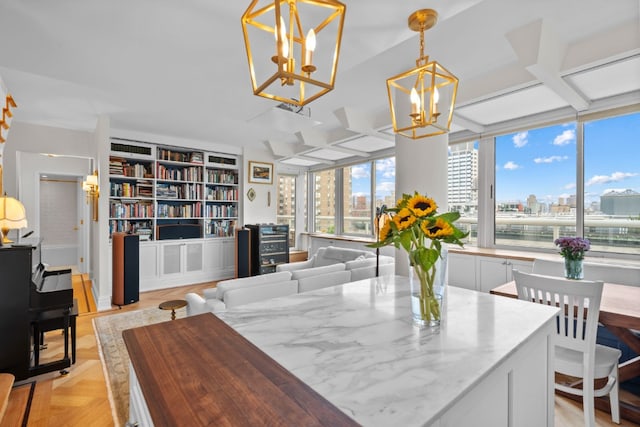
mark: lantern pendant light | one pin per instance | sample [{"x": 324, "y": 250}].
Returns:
[
  {"x": 305, "y": 36},
  {"x": 421, "y": 100}
]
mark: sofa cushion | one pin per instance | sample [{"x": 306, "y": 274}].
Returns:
[
  {"x": 241, "y": 296},
  {"x": 361, "y": 273},
  {"x": 324, "y": 281},
  {"x": 331, "y": 255},
  {"x": 317, "y": 271},
  {"x": 368, "y": 262},
  {"x": 246, "y": 282}
]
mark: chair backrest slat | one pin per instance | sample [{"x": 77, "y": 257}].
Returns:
[{"x": 579, "y": 301}]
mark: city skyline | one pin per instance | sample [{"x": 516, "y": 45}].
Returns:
[{"x": 542, "y": 161}]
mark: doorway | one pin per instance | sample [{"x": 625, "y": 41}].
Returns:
[{"x": 62, "y": 221}]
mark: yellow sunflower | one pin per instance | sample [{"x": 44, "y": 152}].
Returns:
[
  {"x": 439, "y": 230},
  {"x": 404, "y": 219},
  {"x": 385, "y": 231},
  {"x": 421, "y": 205}
]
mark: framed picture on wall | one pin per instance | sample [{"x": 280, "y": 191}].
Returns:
[{"x": 260, "y": 172}]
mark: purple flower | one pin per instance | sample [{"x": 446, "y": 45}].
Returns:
[{"x": 573, "y": 247}]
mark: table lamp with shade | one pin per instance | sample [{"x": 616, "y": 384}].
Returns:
[{"x": 12, "y": 216}]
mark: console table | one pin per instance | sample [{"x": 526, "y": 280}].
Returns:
[{"x": 354, "y": 347}]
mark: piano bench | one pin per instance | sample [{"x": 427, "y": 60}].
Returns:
[{"x": 53, "y": 320}]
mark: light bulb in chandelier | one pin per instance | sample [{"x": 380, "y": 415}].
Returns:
[
  {"x": 310, "y": 47},
  {"x": 416, "y": 109}
]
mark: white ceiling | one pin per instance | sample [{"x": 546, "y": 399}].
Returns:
[{"x": 179, "y": 69}]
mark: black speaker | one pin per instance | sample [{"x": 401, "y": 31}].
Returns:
[
  {"x": 126, "y": 268},
  {"x": 243, "y": 260}
]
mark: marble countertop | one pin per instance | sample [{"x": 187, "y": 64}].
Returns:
[{"x": 356, "y": 345}]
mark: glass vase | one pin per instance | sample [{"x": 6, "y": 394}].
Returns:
[
  {"x": 428, "y": 294},
  {"x": 573, "y": 269}
]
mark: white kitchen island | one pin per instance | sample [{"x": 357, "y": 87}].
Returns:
[{"x": 355, "y": 344}]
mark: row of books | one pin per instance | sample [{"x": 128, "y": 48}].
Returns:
[
  {"x": 143, "y": 228},
  {"x": 216, "y": 176},
  {"x": 221, "y": 228},
  {"x": 221, "y": 211},
  {"x": 192, "y": 210},
  {"x": 179, "y": 191},
  {"x": 179, "y": 156},
  {"x": 191, "y": 173},
  {"x": 130, "y": 210},
  {"x": 121, "y": 166},
  {"x": 125, "y": 189},
  {"x": 222, "y": 193}
]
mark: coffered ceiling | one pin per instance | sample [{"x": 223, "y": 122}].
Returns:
[{"x": 179, "y": 69}]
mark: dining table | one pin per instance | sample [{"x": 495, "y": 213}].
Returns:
[{"x": 620, "y": 314}]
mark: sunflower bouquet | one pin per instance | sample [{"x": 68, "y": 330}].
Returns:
[{"x": 416, "y": 226}]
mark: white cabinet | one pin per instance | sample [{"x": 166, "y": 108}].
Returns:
[
  {"x": 219, "y": 258},
  {"x": 149, "y": 256},
  {"x": 483, "y": 273},
  {"x": 513, "y": 394},
  {"x": 181, "y": 257},
  {"x": 462, "y": 271},
  {"x": 492, "y": 272}
]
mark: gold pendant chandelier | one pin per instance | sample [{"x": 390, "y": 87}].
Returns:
[
  {"x": 421, "y": 100},
  {"x": 293, "y": 47}
]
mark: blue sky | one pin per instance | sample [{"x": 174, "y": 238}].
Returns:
[{"x": 543, "y": 161}]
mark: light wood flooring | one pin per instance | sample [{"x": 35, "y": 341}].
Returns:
[{"x": 80, "y": 398}]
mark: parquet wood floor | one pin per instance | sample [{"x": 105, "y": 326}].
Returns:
[{"x": 80, "y": 398}]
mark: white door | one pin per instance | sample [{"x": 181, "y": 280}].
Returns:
[{"x": 61, "y": 230}]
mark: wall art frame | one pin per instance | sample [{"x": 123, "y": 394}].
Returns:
[{"x": 260, "y": 172}]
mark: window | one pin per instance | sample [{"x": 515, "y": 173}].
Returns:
[
  {"x": 343, "y": 197},
  {"x": 286, "y": 213},
  {"x": 535, "y": 186},
  {"x": 540, "y": 193},
  {"x": 356, "y": 188},
  {"x": 612, "y": 183},
  {"x": 462, "y": 195},
  {"x": 324, "y": 201},
  {"x": 385, "y": 182}
]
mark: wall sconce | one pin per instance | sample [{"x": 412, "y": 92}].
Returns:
[
  {"x": 92, "y": 188},
  {"x": 12, "y": 216},
  {"x": 6, "y": 117},
  {"x": 421, "y": 100},
  {"x": 305, "y": 37}
]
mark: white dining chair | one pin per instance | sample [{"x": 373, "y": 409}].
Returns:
[{"x": 576, "y": 351}]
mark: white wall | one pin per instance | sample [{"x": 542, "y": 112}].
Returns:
[
  {"x": 424, "y": 169},
  {"x": 263, "y": 208},
  {"x": 40, "y": 139},
  {"x": 30, "y": 165}
]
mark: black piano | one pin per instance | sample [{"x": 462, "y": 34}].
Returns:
[
  {"x": 27, "y": 298},
  {"x": 50, "y": 308}
]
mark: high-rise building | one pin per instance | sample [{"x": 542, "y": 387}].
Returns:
[
  {"x": 620, "y": 202},
  {"x": 463, "y": 177}
]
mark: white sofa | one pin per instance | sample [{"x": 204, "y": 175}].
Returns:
[
  {"x": 328, "y": 267},
  {"x": 361, "y": 263}
]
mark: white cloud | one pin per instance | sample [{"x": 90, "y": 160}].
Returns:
[
  {"x": 570, "y": 186},
  {"x": 386, "y": 187},
  {"x": 566, "y": 137},
  {"x": 387, "y": 167},
  {"x": 614, "y": 177},
  {"x": 520, "y": 139},
  {"x": 550, "y": 159},
  {"x": 359, "y": 172},
  {"x": 511, "y": 165}
]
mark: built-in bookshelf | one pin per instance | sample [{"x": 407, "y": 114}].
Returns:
[{"x": 162, "y": 192}]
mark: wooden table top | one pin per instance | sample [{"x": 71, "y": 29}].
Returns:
[
  {"x": 201, "y": 371},
  {"x": 620, "y": 304}
]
